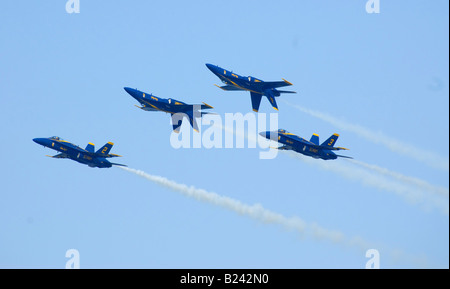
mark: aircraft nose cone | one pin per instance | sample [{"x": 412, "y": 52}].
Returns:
[
  {"x": 129, "y": 90},
  {"x": 211, "y": 67},
  {"x": 272, "y": 135},
  {"x": 265, "y": 134},
  {"x": 41, "y": 141}
]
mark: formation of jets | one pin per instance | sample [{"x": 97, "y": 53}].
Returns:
[{"x": 179, "y": 110}]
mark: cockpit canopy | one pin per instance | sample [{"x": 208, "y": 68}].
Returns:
[{"x": 55, "y": 138}]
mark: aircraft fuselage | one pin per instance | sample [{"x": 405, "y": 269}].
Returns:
[{"x": 74, "y": 152}]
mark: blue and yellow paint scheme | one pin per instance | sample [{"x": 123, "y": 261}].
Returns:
[
  {"x": 256, "y": 87},
  {"x": 87, "y": 156},
  {"x": 309, "y": 148},
  {"x": 150, "y": 102}
]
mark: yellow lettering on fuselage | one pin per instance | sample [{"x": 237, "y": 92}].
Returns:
[{"x": 154, "y": 98}]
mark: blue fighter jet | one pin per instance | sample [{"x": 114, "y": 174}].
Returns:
[
  {"x": 257, "y": 87},
  {"x": 86, "y": 156},
  {"x": 151, "y": 102},
  {"x": 309, "y": 148}
]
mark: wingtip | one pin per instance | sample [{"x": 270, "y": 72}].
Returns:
[
  {"x": 287, "y": 81},
  {"x": 207, "y": 105}
]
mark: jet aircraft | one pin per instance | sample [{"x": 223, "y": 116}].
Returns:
[
  {"x": 151, "y": 102},
  {"x": 309, "y": 148},
  {"x": 257, "y": 87},
  {"x": 86, "y": 156}
]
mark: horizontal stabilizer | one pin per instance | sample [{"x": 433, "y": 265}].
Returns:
[
  {"x": 340, "y": 148},
  {"x": 121, "y": 165},
  {"x": 206, "y": 112},
  {"x": 111, "y": 156},
  {"x": 286, "y": 91},
  {"x": 344, "y": 157}
]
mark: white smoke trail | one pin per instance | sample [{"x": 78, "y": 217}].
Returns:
[
  {"x": 411, "y": 193},
  {"x": 429, "y": 158},
  {"x": 256, "y": 211},
  {"x": 259, "y": 213},
  {"x": 419, "y": 183}
]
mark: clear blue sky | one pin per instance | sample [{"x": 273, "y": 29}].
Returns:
[{"x": 63, "y": 74}]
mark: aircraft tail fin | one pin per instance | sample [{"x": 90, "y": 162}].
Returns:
[
  {"x": 256, "y": 100},
  {"x": 104, "y": 150},
  {"x": 315, "y": 139},
  {"x": 330, "y": 141},
  {"x": 90, "y": 147},
  {"x": 193, "y": 122},
  {"x": 177, "y": 121},
  {"x": 273, "y": 102}
]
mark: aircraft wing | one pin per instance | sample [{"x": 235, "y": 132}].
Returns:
[
  {"x": 330, "y": 148},
  {"x": 206, "y": 106},
  {"x": 284, "y": 148},
  {"x": 275, "y": 84},
  {"x": 228, "y": 87},
  {"x": 59, "y": 156}
]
